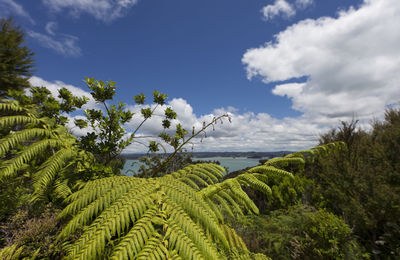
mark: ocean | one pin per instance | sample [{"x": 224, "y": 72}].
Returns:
[{"x": 232, "y": 163}]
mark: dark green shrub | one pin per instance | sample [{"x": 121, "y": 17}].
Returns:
[{"x": 300, "y": 232}]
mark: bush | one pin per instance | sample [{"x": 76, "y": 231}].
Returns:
[
  {"x": 362, "y": 184},
  {"x": 301, "y": 232}
]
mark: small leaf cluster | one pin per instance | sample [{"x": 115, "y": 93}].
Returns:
[{"x": 106, "y": 140}]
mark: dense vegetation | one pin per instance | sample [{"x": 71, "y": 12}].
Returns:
[{"x": 64, "y": 197}]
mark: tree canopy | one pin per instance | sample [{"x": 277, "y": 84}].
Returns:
[{"x": 16, "y": 60}]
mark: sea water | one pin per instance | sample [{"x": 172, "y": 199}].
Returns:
[{"x": 231, "y": 163}]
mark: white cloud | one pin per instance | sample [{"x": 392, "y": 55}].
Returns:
[
  {"x": 303, "y": 3},
  {"x": 51, "y": 27},
  {"x": 8, "y": 7},
  {"x": 105, "y": 10},
  {"x": 290, "y": 89},
  {"x": 280, "y": 7},
  {"x": 247, "y": 132},
  {"x": 65, "y": 44},
  {"x": 351, "y": 62}
]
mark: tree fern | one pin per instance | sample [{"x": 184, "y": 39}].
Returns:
[
  {"x": 162, "y": 214},
  {"x": 39, "y": 142}
]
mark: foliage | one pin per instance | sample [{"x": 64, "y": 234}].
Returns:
[
  {"x": 16, "y": 61},
  {"x": 43, "y": 104},
  {"x": 362, "y": 184},
  {"x": 109, "y": 137},
  {"x": 178, "y": 214},
  {"x": 148, "y": 218},
  {"x": 42, "y": 151},
  {"x": 300, "y": 232},
  {"x": 14, "y": 193}
]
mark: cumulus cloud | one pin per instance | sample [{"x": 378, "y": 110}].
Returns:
[
  {"x": 280, "y": 7},
  {"x": 351, "y": 63},
  {"x": 8, "y": 7},
  {"x": 247, "y": 131},
  {"x": 63, "y": 44},
  {"x": 105, "y": 10}
]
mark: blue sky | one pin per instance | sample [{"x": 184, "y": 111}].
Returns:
[{"x": 287, "y": 70}]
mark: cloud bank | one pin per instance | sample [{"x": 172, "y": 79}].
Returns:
[{"x": 351, "y": 62}]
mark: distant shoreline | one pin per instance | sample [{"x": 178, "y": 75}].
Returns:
[{"x": 252, "y": 155}]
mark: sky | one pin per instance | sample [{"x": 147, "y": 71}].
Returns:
[{"x": 286, "y": 71}]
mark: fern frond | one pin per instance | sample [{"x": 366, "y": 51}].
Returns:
[
  {"x": 113, "y": 221},
  {"x": 49, "y": 169},
  {"x": 321, "y": 150},
  {"x": 217, "y": 210},
  {"x": 234, "y": 205},
  {"x": 90, "y": 190},
  {"x": 202, "y": 174},
  {"x": 97, "y": 205},
  {"x": 61, "y": 189},
  {"x": 196, "y": 207},
  {"x": 190, "y": 182},
  {"x": 10, "y": 106},
  {"x": 10, "y": 167},
  {"x": 11, "y": 252},
  {"x": 8, "y": 121},
  {"x": 154, "y": 249},
  {"x": 12, "y": 140},
  {"x": 184, "y": 246},
  {"x": 233, "y": 189},
  {"x": 270, "y": 170},
  {"x": 133, "y": 242},
  {"x": 280, "y": 162},
  {"x": 235, "y": 240},
  {"x": 222, "y": 203},
  {"x": 194, "y": 232},
  {"x": 236, "y": 191},
  {"x": 212, "y": 172},
  {"x": 255, "y": 183},
  {"x": 172, "y": 207}
]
